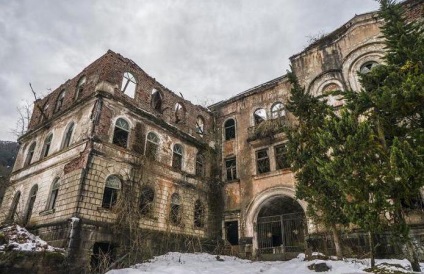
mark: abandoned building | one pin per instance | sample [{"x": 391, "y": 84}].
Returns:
[{"x": 199, "y": 172}]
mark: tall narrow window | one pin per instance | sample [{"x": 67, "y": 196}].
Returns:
[
  {"x": 129, "y": 84},
  {"x": 231, "y": 168},
  {"x": 200, "y": 169},
  {"x": 59, "y": 102},
  {"x": 121, "y": 133},
  {"x": 47, "y": 145},
  {"x": 44, "y": 112},
  {"x": 110, "y": 195},
  {"x": 146, "y": 200},
  {"x": 68, "y": 136},
  {"x": 180, "y": 113},
  {"x": 262, "y": 161},
  {"x": 259, "y": 116},
  {"x": 175, "y": 212},
  {"x": 53, "y": 194},
  {"x": 199, "y": 214},
  {"x": 281, "y": 160},
  {"x": 200, "y": 126},
  {"x": 30, "y": 154},
  {"x": 230, "y": 129},
  {"x": 152, "y": 146},
  {"x": 80, "y": 87},
  {"x": 277, "y": 110},
  {"x": 14, "y": 206},
  {"x": 31, "y": 201},
  {"x": 156, "y": 100},
  {"x": 177, "y": 156}
]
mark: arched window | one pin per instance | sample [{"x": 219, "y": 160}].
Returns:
[
  {"x": 80, "y": 87},
  {"x": 146, "y": 200},
  {"x": 177, "y": 156},
  {"x": 110, "y": 195},
  {"x": 152, "y": 146},
  {"x": 68, "y": 135},
  {"x": 53, "y": 194},
  {"x": 129, "y": 84},
  {"x": 200, "y": 125},
  {"x": 47, "y": 145},
  {"x": 200, "y": 169},
  {"x": 199, "y": 214},
  {"x": 332, "y": 100},
  {"x": 121, "y": 133},
  {"x": 31, "y": 201},
  {"x": 156, "y": 100},
  {"x": 277, "y": 110},
  {"x": 30, "y": 154},
  {"x": 180, "y": 113},
  {"x": 367, "y": 67},
  {"x": 230, "y": 129},
  {"x": 44, "y": 112},
  {"x": 14, "y": 206},
  {"x": 175, "y": 212},
  {"x": 259, "y": 116},
  {"x": 59, "y": 102}
]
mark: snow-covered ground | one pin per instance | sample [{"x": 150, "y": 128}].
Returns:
[
  {"x": 201, "y": 263},
  {"x": 18, "y": 238}
]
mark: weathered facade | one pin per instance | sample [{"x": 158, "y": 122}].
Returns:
[{"x": 196, "y": 172}]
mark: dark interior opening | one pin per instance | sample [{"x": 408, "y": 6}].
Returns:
[
  {"x": 102, "y": 257},
  {"x": 231, "y": 229}
]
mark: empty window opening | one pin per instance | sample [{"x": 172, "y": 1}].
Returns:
[
  {"x": 177, "y": 157},
  {"x": 281, "y": 160},
  {"x": 332, "y": 100},
  {"x": 102, "y": 257},
  {"x": 231, "y": 232},
  {"x": 156, "y": 100},
  {"x": 68, "y": 136},
  {"x": 14, "y": 207},
  {"x": 415, "y": 202},
  {"x": 30, "y": 154},
  {"x": 180, "y": 113},
  {"x": 278, "y": 110},
  {"x": 110, "y": 195},
  {"x": 60, "y": 100},
  {"x": 200, "y": 170},
  {"x": 199, "y": 214},
  {"x": 146, "y": 201},
  {"x": 230, "y": 129},
  {"x": 129, "y": 84},
  {"x": 175, "y": 212},
  {"x": 259, "y": 116},
  {"x": 46, "y": 146},
  {"x": 200, "y": 126},
  {"x": 80, "y": 87},
  {"x": 53, "y": 194},
  {"x": 44, "y": 112},
  {"x": 152, "y": 146},
  {"x": 31, "y": 201},
  {"x": 230, "y": 166},
  {"x": 262, "y": 160},
  {"x": 367, "y": 67},
  {"x": 121, "y": 133}
]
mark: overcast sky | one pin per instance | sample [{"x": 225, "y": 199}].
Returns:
[{"x": 207, "y": 50}]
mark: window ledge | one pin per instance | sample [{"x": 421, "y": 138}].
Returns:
[
  {"x": 233, "y": 181},
  {"x": 47, "y": 212}
]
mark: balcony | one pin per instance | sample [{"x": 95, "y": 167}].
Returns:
[{"x": 266, "y": 129}]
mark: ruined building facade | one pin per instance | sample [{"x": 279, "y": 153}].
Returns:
[{"x": 199, "y": 172}]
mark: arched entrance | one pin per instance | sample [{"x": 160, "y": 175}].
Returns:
[{"x": 280, "y": 226}]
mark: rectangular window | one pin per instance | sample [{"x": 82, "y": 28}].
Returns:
[
  {"x": 281, "y": 160},
  {"x": 230, "y": 166},
  {"x": 262, "y": 161},
  {"x": 231, "y": 232}
]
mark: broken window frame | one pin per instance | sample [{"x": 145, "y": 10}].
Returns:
[
  {"x": 259, "y": 116},
  {"x": 30, "y": 154},
  {"x": 175, "y": 209},
  {"x": 60, "y": 100},
  {"x": 80, "y": 87},
  {"x": 280, "y": 152},
  {"x": 180, "y": 113},
  {"x": 54, "y": 192},
  {"x": 44, "y": 116},
  {"x": 278, "y": 110},
  {"x": 200, "y": 125},
  {"x": 30, "y": 205},
  {"x": 14, "y": 206},
  {"x": 121, "y": 133},
  {"x": 113, "y": 185},
  {"x": 231, "y": 168},
  {"x": 262, "y": 161},
  {"x": 230, "y": 129},
  {"x": 46, "y": 146},
  {"x": 129, "y": 84},
  {"x": 156, "y": 100},
  {"x": 152, "y": 146},
  {"x": 200, "y": 165},
  {"x": 199, "y": 214},
  {"x": 177, "y": 156},
  {"x": 147, "y": 197},
  {"x": 68, "y": 135}
]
